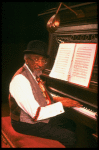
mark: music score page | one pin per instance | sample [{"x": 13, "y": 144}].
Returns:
[
  {"x": 62, "y": 62},
  {"x": 74, "y": 62},
  {"x": 82, "y": 63}
]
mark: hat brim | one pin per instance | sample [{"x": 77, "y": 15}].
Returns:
[{"x": 32, "y": 52}]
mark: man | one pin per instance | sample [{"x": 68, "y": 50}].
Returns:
[{"x": 31, "y": 105}]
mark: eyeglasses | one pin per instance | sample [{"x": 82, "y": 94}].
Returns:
[{"x": 36, "y": 60}]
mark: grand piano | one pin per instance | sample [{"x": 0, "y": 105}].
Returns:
[{"x": 73, "y": 29}]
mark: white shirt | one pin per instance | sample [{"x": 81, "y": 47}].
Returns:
[{"x": 20, "y": 89}]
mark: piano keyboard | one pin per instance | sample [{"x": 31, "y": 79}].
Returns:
[
  {"x": 83, "y": 110},
  {"x": 86, "y": 111}
]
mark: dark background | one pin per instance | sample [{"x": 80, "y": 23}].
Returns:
[{"x": 20, "y": 24}]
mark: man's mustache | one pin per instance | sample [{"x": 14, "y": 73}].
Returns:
[{"x": 39, "y": 67}]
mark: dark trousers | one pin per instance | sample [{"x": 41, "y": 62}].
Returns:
[{"x": 55, "y": 129}]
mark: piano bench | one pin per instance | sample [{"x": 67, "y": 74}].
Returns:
[{"x": 17, "y": 140}]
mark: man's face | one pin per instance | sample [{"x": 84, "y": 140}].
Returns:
[{"x": 36, "y": 62}]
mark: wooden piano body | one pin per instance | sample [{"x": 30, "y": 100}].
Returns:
[{"x": 73, "y": 29}]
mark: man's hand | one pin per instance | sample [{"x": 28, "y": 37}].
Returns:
[{"x": 67, "y": 102}]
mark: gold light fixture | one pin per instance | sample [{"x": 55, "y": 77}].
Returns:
[{"x": 54, "y": 22}]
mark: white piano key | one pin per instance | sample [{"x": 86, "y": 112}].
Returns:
[{"x": 85, "y": 111}]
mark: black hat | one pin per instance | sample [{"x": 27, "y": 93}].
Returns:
[{"x": 37, "y": 47}]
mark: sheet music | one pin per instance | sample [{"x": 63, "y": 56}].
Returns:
[
  {"x": 62, "y": 62},
  {"x": 83, "y": 63},
  {"x": 74, "y": 62}
]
